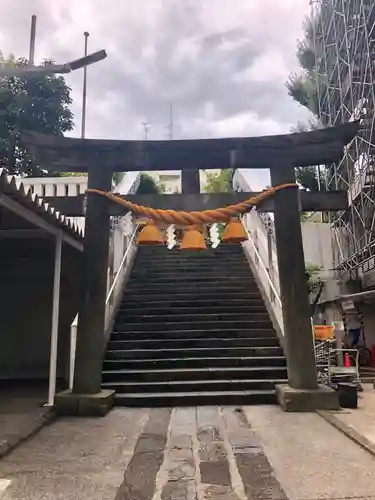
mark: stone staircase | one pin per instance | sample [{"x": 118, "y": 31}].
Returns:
[{"x": 192, "y": 329}]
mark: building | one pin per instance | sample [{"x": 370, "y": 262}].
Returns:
[
  {"x": 343, "y": 33},
  {"x": 344, "y": 44},
  {"x": 170, "y": 181}
]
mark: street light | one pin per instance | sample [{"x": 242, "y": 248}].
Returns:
[{"x": 52, "y": 69}]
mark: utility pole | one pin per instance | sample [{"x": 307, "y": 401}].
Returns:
[
  {"x": 146, "y": 127},
  {"x": 170, "y": 122},
  {"x": 32, "y": 41},
  {"x": 84, "y": 90}
]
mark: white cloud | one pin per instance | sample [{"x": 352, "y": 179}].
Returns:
[{"x": 222, "y": 63}]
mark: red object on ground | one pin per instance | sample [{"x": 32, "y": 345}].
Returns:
[{"x": 346, "y": 360}]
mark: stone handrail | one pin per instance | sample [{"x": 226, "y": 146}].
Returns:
[{"x": 261, "y": 252}]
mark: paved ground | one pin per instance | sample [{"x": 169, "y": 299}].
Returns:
[
  {"x": 21, "y": 414},
  {"x": 361, "y": 420},
  {"x": 257, "y": 453}
]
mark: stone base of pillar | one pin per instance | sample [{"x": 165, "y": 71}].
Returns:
[
  {"x": 299, "y": 400},
  {"x": 84, "y": 405}
]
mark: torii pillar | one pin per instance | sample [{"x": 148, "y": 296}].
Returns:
[
  {"x": 302, "y": 392},
  {"x": 87, "y": 397}
]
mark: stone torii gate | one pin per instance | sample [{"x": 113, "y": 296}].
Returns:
[{"x": 280, "y": 153}]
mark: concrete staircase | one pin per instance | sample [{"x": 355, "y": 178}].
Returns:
[{"x": 192, "y": 329}]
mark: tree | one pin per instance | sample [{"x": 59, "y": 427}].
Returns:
[
  {"x": 70, "y": 174},
  {"x": 219, "y": 182},
  {"x": 304, "y": 87},
  {"x": 147, "y": 185},
  {"x": 37, "y": 103},
  {"x": 315, "y": 284},
  {"x": 308, "y": 178},
  {"x": 118, "y": 176}
]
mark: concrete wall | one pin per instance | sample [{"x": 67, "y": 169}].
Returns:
[
  {"x": 26, "y": 285},
  {"x": 317, "y": 244},
  {"x": 317, "y": 247},
  {"x": 368, "y": 311}
]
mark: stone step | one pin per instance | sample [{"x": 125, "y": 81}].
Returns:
[
  {"x": 125, "y": 387},
  {"x": 191, "y": 296},
  {"x": 159, "y": 304},
  {"x": 207, "y": 325},
  {"x": 203, "y": 287},
  {"x": 187, "y": 267},
  {"x": 190, "y": 274},
  {"x": 211, "y": 263},
  {"x": 205, "y": 373},
  {"x": 234, "y": 249},
  {"x": 190, "y": 343},
  {"x": 197, "y": 259},
  {"x": 149, "y": 309},
  {"x": 188, "y": 334},
  {"x": 193, "y": 317},
  {"x": 155, "y": 250},
  {"x": 189, "y": 363},
  {"x": 175, "y": 278},
  {"x": 202, "y": 352},
  {"x": 192, "y": 329},
  {"x": 196, "y": 398}
]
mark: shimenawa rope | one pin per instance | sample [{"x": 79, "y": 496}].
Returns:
[{"x": 181, "y": 217}]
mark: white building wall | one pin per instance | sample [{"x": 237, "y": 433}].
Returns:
[
  {"x": 58, "y": 186},
  {"x": 173, "y": 185},
  {"x": 73, "y": 186},
  {"x": 317, "y": 247}
]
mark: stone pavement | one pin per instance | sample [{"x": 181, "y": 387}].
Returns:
[{"x": 204, "y": 453}]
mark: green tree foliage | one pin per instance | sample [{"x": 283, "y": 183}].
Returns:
[
  {"x": 303, "y": 87},
  {"x": 312, "y": 273},
  {"x": 147, "y": 185},
  {"x": 219, "y": 182},
  {"x": 118, "y": 176},
  {"x": 315, "y": 284},
  {"x": 38, "y": 103},
  {"x": 69, "y": 174},
  {"x": 308, "y": 176}
]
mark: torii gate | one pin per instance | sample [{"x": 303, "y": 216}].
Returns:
[{"x": 279, "y": 153}]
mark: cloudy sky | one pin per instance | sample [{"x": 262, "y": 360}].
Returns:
[{"x": 221, "y": 63}]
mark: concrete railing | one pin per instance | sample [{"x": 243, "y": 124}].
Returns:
[
  {"x": 263, "y": 260},
  {"x": 260, "y": 249},
  {"x": 116, "y": 286},
  {"x": 121, "y": 255}
]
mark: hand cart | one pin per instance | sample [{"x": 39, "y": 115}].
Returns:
[{"x": 329, "y": 366}]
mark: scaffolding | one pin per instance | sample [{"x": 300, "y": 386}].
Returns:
[{"x": 343, "y": 33}]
